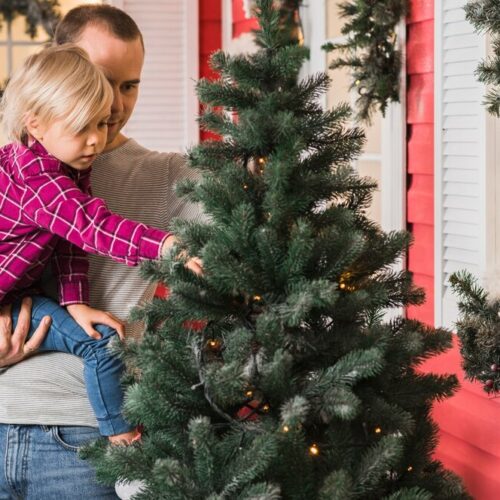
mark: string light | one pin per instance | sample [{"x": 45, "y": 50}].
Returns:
[
  {"x": 214, "y": 344},
  {"x": 261, "y": 163},
  {"x": 343, "y": 283},
  {"x": 265, "y": 408},
  {"x": 314, "y": 450},
  {"x": 410, "y": 468},
  {"x": 286, "y": 428},
  {"x": 378, "y": 430},
  {"x": 249, "y": 394},
  {"x": 245, "y": 186},
  {"x": 257, "y": 298}
]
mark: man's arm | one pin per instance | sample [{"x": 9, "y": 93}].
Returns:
[{"x": 13, "y": 344}]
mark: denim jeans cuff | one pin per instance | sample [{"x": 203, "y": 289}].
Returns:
[{"x": 114, "y": 425}]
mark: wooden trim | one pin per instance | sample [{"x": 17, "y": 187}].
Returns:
[
  {"x": 192, "y": 68},
  {"x": 317, "y": 37},
  {"x": 227, "y": 23},
  {"x": 438, "y": 161},
  {"x": 393, "y": 162}
]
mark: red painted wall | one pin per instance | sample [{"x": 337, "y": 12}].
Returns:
[
  {"x": 420, "y": 151},
  {"x": 210, "y": 39},
  {"x": 469, "y": 436},
  {"x": 469, "y": 422},
  {"x": 240, "y": 23}
]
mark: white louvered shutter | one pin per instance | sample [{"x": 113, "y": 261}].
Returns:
[
  {"x": 460, "y": 194},
  {"x": 165, "y": 115}
]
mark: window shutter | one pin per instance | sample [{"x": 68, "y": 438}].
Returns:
[
  {"x": 165, "y": 115},
  {"x": 460, "y": 154}
]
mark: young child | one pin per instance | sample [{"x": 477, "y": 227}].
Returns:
[{"x": 55, "y": 111}]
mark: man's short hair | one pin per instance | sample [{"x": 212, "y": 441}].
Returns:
[{"x": 115, "y": 20}]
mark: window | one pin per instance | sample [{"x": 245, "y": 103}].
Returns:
[{"x": 383, "y": 158}]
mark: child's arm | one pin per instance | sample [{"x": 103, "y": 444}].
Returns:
[{"x": 53, "y": 201}]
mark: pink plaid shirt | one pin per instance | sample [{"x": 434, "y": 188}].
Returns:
[{"x": 47, "y": 211}]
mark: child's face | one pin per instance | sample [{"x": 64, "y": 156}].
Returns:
[{"x": 77, "y": 150}]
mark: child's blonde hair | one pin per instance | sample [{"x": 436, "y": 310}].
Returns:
[{"x": 58, "y": 83}]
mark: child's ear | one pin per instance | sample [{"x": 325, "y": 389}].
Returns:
[{"x": 33, "y": 126}]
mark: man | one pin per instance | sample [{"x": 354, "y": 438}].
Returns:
[{"x": 45, "y": 415}]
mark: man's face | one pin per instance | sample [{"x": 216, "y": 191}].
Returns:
[{"x": 121, "y": 61}]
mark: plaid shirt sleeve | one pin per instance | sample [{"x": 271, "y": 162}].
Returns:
[
  {"x": 52, "y": 200},
  {"x": 71, "y": 269},
  {"x": 71, "y": 264}
]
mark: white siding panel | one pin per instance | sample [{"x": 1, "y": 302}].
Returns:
[
  {"x": 459, "y": 195},
  {"x": 459, "y": 68},
  {"x": 459, "y": 41},
  {"x": 461, "y": 109},
  {"x": 458, "y": 121},
  {"x": 454, "y": 241},
  {"x": 458, "y": 149},
  {"x": 461, "y": 134},
  {"x": 459, "y": 202},
  {"x": 165, "y": 113}
]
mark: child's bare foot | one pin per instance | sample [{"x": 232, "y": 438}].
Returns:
[{"x": 125, "y": 438}]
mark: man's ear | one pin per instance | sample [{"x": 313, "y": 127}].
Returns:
[{"x": 33, "y": 126}]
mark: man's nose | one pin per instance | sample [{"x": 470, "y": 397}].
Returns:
[{"x": 117, "y": 104}]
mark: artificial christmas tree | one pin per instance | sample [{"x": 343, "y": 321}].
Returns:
[{"x": 294, "y": 387}]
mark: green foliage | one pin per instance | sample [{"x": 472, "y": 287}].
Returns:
[
  {"x": 294, "y": 387},
  {"x": 370, "y": 52},
  {"x": 44, "y": 13},
  {"x": 484, "y": 15},
  {"x": 478, "y": 329}
]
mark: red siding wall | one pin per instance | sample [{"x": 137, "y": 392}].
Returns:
[
  {"x": 420, "y": 151},
  {"x": 210, "y": 38},
  {"x": 469, "y": 422},
  {"x": 469, "y": 434},
  {"x": 240, "y": 23}
]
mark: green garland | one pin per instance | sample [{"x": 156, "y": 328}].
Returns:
[
  {"x": 371, "y": 52},
  {"x": 478, "y": 329},
  {"x": 43, "y": 13},
  {"x": 484, "y": 15}
]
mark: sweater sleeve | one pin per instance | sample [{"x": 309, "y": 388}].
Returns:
[{"x": 54, "y": 202}]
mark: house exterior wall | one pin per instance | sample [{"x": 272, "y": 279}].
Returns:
[{"x": 469, "y": 441}]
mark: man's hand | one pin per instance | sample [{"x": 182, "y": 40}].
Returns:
[
  {"x": 194, "y": 264},
  {"x": 13, "y": 345},
  {"x": 87, "y": 317}
]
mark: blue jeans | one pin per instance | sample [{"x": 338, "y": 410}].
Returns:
[
  {"x": 102, "y": 370},
  {"x": 41, "y": 463}
]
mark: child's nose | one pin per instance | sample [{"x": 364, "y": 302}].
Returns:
[{"x": 92, "y": 139}]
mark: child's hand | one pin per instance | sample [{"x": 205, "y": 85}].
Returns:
[
  {"x": 194, "y": 264},
  {"x": 87, "y": 317}
]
